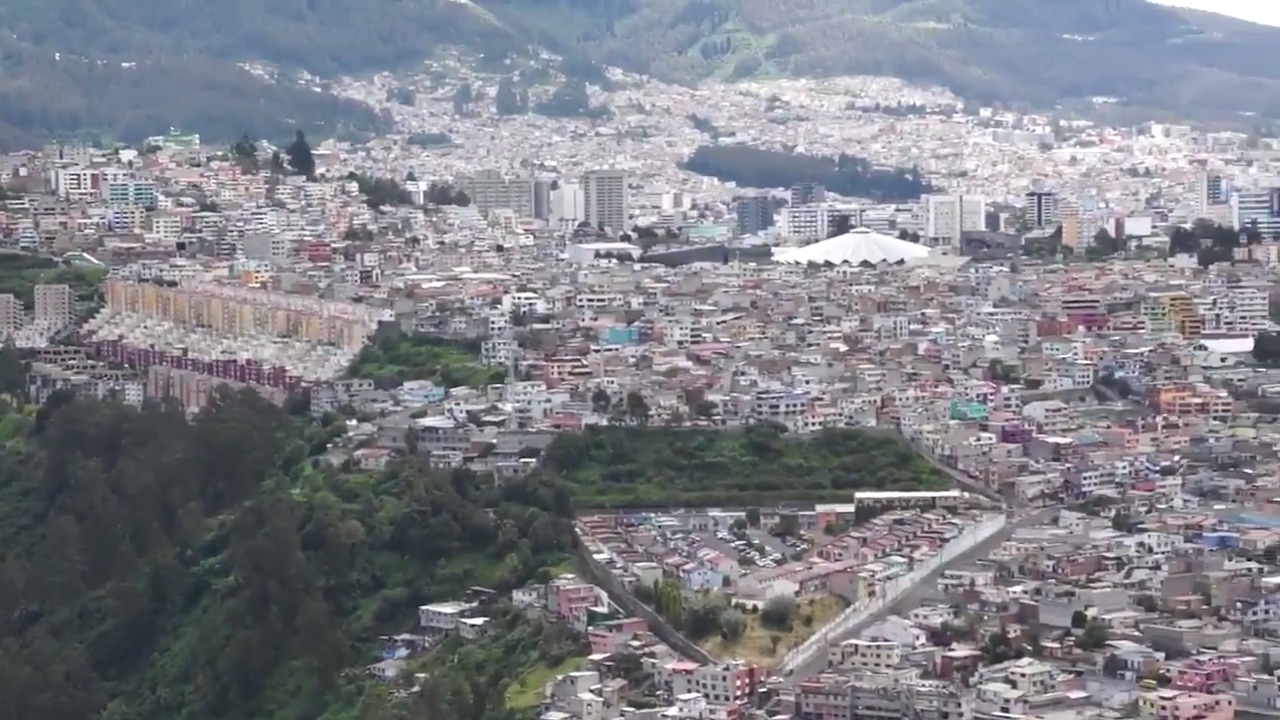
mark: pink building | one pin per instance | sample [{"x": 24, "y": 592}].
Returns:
[
  {"x": 1203, "y": 673},
  {"x": 1183, "y": 705},
  {"x": 610, "y": 637},
  {"x": 569, "y": 598}
]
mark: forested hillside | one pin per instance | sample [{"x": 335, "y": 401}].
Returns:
[
  {"x": 758, "y": 465},
  {"x": 153, "y": 568}
]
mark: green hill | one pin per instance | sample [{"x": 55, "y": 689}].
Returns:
[{"x": 153, "y": 568}]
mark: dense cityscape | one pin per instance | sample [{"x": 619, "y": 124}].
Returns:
[{"x": 833, "y": 399}]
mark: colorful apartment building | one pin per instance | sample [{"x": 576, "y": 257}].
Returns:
[
  {"x": 1185, "y": 399},
  {"x": 1183, "y": 705}
]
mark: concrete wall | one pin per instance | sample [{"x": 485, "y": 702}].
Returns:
[
  {"x": 623, "y": 598},
  {"x": 889, "y": 593}
]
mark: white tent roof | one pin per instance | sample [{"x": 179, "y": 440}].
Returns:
[{"x": 854, "y": 248}]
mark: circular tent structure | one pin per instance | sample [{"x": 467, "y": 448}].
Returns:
[{"x": 856, "y": 247}]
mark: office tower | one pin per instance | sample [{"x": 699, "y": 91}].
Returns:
[
  {"x": 567, "y": 208},
  {"x": 1258, "y": 208},
  {"x": 604, "y": 199},
  {"x": 947, "y": 216},
  {"x": 542, "y": 198},
  {"x": 754, "y": 214},
  {"x": 807, "y": 194},
  {"x": 55, "y": 305},
  {"x": 1042, "y": 208},
  {"x": 490, "y": 190}
]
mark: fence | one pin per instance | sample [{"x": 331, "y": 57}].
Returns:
[
  {"x": 890, "y": 593},
  {"x": 623, "y": 598}
]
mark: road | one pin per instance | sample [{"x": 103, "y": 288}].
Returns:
[{"x": 927, "y": 589}]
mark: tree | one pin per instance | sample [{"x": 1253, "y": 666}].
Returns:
[
  {"x": 637, "y": 408},
  {"x": 299, "y": 156},
  {"x": 753, "y": 517},
  {"x": 245, "y": 152},
  {"x": 1094, "y": 637},
  {"x": 1148, "y": 603},
  {"x": 778, "y": 613},
  {"x": 600, "y": 401},
  {"x": 1079, "y": 620},
  {"x": 732, "y": 625},
  {"x": 508, "y": 100}
]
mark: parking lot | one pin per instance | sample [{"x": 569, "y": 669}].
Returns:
[{"x": 754, "y": 548}]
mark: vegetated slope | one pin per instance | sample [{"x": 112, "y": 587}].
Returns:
[
  {"x": 846, "y": 175},
  {"x": 758, "y": 465},
  {"x": 1037, "y": 51},
  {"x": 153, "y": 568},
  {"x": 130, "y": 68}
]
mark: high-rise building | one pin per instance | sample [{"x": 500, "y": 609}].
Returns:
[
  {"x": 754, "y": 214},
  {"x": 947, "y": 216},
  {"x": 604, "y": 199},
  {"x": 807, "y": 194},
  {"x": 1257, "y": 208},
  {"x": 55, "y": 305},
  {"x": 12, "y": 318},
  {"x": 1042, "y": 208},
  {"x": 567, "y": 209},
  {"x": 542, "y": 198},
  {"x": 490, "y": 190}
]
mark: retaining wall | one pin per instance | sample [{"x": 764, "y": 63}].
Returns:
[
  {"x": 890, "y": 593},
  {"x": 623, "y": 598}
]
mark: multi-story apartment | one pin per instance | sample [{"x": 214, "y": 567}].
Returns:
[
  {"x": 1042, "y": 209},
  {"x": 12, "y": 316},
  {"x": 605, "y": 199},
  {"x": 240, "y": 311},
  {"x": 55, "y": 305},
  {"x": 490, "y": 190},
  {"x": 753, "y": 214},
  {"x": 858, "y": 654},
  {"x": 1258, "y": 208},
  {"x": 816, "y": 222},
  {"x": 807, "y": 194},
  {"x": 947, "y": 216},
  {"x": 1183, "y": 705},
  {"x": 1172, "y": 312}
]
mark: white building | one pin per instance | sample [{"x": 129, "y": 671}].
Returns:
[
  {"x": 444, "y": 617},
  {"x": 605, "y": 200},
  {"x": 946, "y": 216}
]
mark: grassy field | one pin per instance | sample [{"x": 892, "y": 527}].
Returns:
[
  {"x": 526, "y": 692},
  {"x": 757, "y": 644}
]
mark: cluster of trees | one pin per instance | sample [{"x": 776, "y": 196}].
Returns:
[
  {"x": 141, "y": 552},
  {"x": 381, "y": 191},
  {"x": 1266, "y": 348},
  {"x": 20, "y": 273},
  {"x": 571, "y": 100},
  {"x": 711, "y": 614},
  {"x": 296, "y": 160},
  {"x": 509, "y": 100},
  {"x": 847, "y": 175},
  {"x": 465, "y": 679},
  {"x": 396, "y": 358},
  {"x": 759, "y": 465},
  {"x": 427, "y": 140}
]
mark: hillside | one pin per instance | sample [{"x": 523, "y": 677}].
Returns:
[
  {"x": 630, "y": 467},
  {"x": 132, "y": 68},
  {"x": 1042, "y": 52},
  {"x": 153, "y": 568}
]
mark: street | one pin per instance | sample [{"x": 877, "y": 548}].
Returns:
[{"x": 927, "y": 589}]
